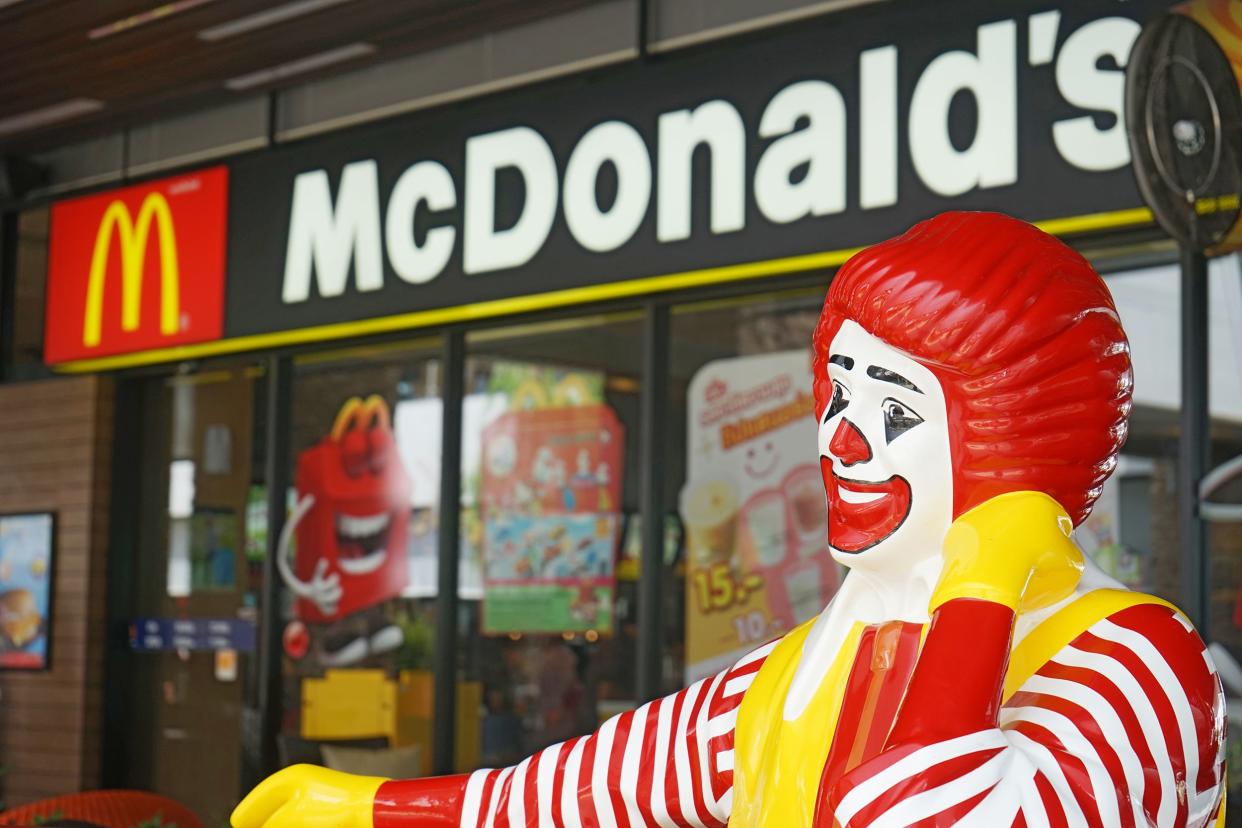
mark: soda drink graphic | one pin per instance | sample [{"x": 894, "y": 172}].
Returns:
[{"x": 764, "y": 521}]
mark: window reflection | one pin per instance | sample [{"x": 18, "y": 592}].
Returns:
[
  {"x": 357, "y": 560},
  {"x": 195, "y": 584},
  {"x": 548, "y": 492},
  {"x": 750, "y": 493}
]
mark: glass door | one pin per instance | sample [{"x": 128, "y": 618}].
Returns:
[
  {"x": 549, "y": 531},
  {"x": 197, "y": 571}
]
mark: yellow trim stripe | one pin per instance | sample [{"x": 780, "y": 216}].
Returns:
[
  {"x": 1071, "y": 225},
  {"x": 544, "y": 301},
  {"x": 1063, "y": 626},
  {"x": 464, "y": 313}
]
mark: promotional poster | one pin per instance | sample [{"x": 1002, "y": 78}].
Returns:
[
  {"x": 25, "y": 590},
  {"x": 753, "y": 509},
  {"x": 417, "y": 425},
  {"x": 550, "y": 494}
]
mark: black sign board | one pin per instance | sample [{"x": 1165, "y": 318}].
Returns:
[{"x": 832, "y": 134}]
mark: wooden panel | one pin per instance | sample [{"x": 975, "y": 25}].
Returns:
[
  {"x": 163, "y": 67},
  {"x": 54, "y": 456}
]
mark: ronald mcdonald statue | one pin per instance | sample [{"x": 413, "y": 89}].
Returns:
[{"x": 973, "y": 385}]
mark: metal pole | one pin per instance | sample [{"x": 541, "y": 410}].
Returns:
[
  {"x": 273, "y": 117},
  {"x": 135, "y": 420},
  {"x": 1194, "y": 448},
  {"x": 277, "y": 477},
  {"x": 653, "y": 425},
  {"x": 444, "y": 731}
]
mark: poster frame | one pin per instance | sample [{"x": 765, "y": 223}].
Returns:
[{"x": 48, "y": 637}]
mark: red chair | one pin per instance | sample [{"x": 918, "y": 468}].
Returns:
[{"x": 107, "y": 809}]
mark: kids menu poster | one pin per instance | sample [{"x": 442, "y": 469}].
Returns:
[{"x": 550, "y": 495}]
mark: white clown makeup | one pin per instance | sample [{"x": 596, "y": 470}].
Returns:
[{"x": 884, "y": 450}]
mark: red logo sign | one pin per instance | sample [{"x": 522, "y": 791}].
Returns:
[{"x": 137, "y": 268}]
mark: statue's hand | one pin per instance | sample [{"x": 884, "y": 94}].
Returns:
[
  {"x": 1014, "y": 549},
  {"x": 305, "y": 795}
]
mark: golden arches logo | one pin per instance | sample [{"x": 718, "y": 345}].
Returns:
[
  {"x": 132, "y": 235},
  {"x": 360, "y": 413}
]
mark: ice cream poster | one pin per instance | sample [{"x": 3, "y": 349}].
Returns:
[
  {"x": 26, "y": 548},
  {"x": 550, "y": 492},
  {"x": 753, "y": 508}
]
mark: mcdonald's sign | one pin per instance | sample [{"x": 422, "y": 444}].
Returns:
[{"x": 137, "y": 268}]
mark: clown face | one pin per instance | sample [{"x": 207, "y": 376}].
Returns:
[{"x": 884, "y": 451}]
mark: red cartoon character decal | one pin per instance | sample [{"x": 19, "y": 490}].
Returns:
[{"x": 351, "y": 522}]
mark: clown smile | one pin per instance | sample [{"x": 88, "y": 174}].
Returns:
[
  {"x": 852, "y": 495},
  {"x": 362, "y": 541},
  {"x": 862, "y": 513}
]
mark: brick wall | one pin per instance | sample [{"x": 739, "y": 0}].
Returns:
[{"x": 55, "y": 455}]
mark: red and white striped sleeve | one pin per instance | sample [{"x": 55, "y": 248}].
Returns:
[
  {"x": 669, "y": 764},
  {"x": 1123, "y": 727}
]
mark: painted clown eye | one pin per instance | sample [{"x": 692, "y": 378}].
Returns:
[
  {"x": 898, "y": 419},
  {"x": 840, "y": 399}
]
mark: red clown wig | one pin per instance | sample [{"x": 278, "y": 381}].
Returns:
[{"x": 1025, "y": 340}]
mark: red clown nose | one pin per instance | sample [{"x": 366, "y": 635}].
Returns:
[{"x": 849, "y": 445}]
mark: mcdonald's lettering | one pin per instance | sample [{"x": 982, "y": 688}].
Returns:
[{"x": 137, "y": 269}]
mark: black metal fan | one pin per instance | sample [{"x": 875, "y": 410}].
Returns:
[{"x": 1184, "y": 121}]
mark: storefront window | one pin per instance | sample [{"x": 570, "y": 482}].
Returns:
[
  {"x": 744, "y": 481},
  {"x": 196, "y": 586},
  {"x": 1133, "y": 531},
  {"x": 745, "y": 485},
  {"x": 549, "y": 498},
  {"x": 1223, "y": 510},
  {"x": 358, "y": 560},
  {"x": 550, "y": 532}
]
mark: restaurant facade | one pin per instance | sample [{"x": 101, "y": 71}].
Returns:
[{"x": 416, "y": 445}]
